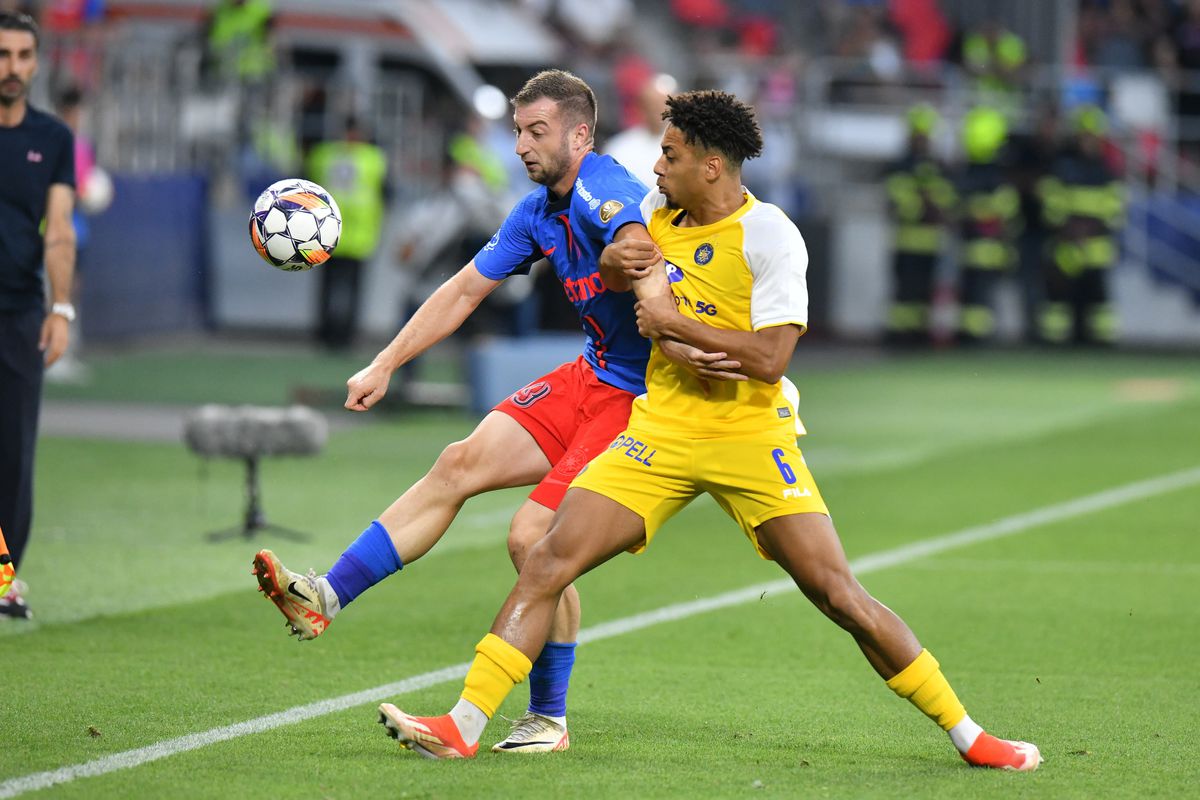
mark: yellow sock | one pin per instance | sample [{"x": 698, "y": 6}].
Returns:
[
  {"x": 923, "y": 684},
  {"x": 497, "y": 668}
]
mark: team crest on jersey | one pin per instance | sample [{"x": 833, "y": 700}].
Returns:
[
  {"x": 610, "y": 209},
  {"x": 528, "y": 395},
  {"x": 495, "y": 240},
  {"x": 573, "y": 462},
  {"x": 704, "y": 254}
]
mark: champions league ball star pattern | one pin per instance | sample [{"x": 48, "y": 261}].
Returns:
[{"x": 295, "y": 225}]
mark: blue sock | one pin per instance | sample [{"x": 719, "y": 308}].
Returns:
[
  {"x": 367, "y": 561},
  {"x": 549, "y": 678}
]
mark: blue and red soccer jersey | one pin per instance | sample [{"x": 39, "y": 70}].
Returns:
[{"x": 571, "y": 232}]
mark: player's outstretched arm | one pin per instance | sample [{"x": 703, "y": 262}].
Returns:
[{"x": 438, "y": 317}]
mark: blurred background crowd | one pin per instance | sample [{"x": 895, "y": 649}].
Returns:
[{"x": 965, "y": 172}]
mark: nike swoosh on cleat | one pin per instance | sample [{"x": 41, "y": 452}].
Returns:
[
  {"x": 518, "y": 745},
  {"x": 292, "y": 590}
]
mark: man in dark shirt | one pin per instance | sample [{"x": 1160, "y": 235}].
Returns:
[{"x": 37, "y": 162}]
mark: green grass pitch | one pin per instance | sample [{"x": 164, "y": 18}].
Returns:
[{"x": 1081, "y": 634}]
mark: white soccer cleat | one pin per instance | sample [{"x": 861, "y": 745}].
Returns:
[{"x": 533, "y": 733}]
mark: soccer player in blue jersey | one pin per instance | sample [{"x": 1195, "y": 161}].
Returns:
[
  {"x": 545, "y": 432},
  {"x": 737, "y": 269}
]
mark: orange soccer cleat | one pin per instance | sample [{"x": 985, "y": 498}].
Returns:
[
  {"x": 431, "y": 737},
  {"x": 7, "y": 572},
  {"x": 988, "y": 751}
]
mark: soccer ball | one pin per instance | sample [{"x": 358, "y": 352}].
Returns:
[{"x": 295, "y": 225}]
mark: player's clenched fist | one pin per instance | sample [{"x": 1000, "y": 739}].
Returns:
[
  {"x": 654, "y": 314},
  {"x": 367, "y": 387},
  {"x": 631, "y": 258}
]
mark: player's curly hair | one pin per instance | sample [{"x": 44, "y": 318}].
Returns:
[
  {"x": 718, "y": 121},
  {"x": 575, "y": 98}
]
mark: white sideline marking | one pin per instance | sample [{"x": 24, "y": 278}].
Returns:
[
  {"x": 1088, "y": 504},
  {"x": 1160, "y": 569}
]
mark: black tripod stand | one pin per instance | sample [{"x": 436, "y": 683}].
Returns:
[{"x": 255, "y": 519}]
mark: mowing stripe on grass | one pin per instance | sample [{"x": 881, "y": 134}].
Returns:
[{"x": 870, "y": 563}]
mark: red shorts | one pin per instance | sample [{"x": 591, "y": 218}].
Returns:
[{"x": 573, "y": 416}]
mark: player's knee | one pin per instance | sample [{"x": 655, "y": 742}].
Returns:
[
  {"x": 521, "y": 538},
  {"x": 454, "y": 466},
  {"x": 547, "y": 570}
]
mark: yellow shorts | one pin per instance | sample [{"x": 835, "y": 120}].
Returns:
[{"x": 754, "y": 477}]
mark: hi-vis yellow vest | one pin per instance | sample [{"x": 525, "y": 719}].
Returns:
[{"x": 354, "y": 173}]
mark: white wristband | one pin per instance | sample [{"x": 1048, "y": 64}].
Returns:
[{"x": 64, "y": 310}]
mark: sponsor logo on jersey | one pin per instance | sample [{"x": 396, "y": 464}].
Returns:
[
  {"x": 796, "y": 493},
  {"x": 783, "y": 413},
  {"x": 528, "y": 395},
  {"x": 633, "y": 448},
  {"x": 495, "y": 240},
  {"x": 610, "y": 209},
  {"x": 585, "y": 195},
  {"x": 675, "y": 275},
  {"x": 585, "y": 288},
  {"x": 33, "y": 156},
  {"x": 704, "y": 254}
]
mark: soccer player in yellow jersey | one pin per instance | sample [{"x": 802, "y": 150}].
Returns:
[{"x": 736, "y": 268}]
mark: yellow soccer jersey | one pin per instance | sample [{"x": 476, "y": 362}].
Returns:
[{"x": 745, "y": 272}]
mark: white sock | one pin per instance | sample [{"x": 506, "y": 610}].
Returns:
[
  {"x": 964, "y": 734},
  {"x": 329, "y": 597},
  {"x": 470, "y": 720},
  {"x": 560, "y": 720}
]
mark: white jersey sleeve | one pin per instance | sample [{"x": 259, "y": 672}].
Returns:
[
  {"x": 778, "y": 260},
  {"x": 653, "y": 201}
]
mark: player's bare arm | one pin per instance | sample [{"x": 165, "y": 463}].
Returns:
[
  {"x": 632, "y": 256},
  {"x": 438, "y": 317},
  {"x": 708, "y": 366},
  {"x": 60, "y": 267},
  {"x": 763, "y": 354},
  {"x": 633, "y": 261}
]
